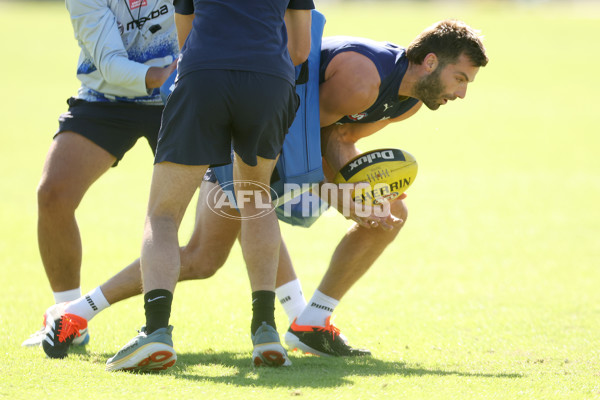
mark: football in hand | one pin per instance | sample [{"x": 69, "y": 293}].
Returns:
[{"x": 388, "y": 171}]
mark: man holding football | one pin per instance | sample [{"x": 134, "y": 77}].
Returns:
[{"x": 365, "y": 86}]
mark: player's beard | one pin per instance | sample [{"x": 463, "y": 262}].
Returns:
[{"x": 429, "y": 89}]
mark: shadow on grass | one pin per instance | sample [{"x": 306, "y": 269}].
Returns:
[{"x": 306, "y": 371}]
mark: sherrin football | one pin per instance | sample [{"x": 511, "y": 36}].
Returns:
[{"x": 389, "y": 172}]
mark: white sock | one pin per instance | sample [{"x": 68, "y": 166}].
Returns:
[
  {"x": 88, "y": 306},
  {"x": 291, "y": 298},
  {"x": 318, "y": 309},
  {"x": 67, "y": 295}
]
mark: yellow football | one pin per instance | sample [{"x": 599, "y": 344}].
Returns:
[{"x": 389, "y": 172}]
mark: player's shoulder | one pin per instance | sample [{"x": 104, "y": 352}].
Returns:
[
  {"x": 367, "y": 57},
  {"x": 356, "y": 71}
]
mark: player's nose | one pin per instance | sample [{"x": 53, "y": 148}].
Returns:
[{"x": 461, "y": 92}]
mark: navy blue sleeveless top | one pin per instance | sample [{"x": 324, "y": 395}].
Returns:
[
  {"x": 237, "y": 35},
  {"x": 391, "y": 63}
]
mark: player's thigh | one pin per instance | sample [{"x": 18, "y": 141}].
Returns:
[
  {"x": 92, "y": 137},
  {"x": 72, "y": 164},
  {"x": 216, "y": 218},
  {"x": 216, "y": 229}
]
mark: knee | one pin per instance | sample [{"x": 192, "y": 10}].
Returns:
[
  {"x": 195, "y": 265},
  {"x": 53, "y": 196}
]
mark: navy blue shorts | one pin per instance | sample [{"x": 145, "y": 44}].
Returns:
[
  {"x": 113, "y": 126},
  {"x": 210, "y": 111}
]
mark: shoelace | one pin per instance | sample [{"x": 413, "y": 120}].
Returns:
[
  {"x": 69, "y": 327},
  {"x": 329, "y": 327}
]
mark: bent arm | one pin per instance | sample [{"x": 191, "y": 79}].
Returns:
[
  {"x": 338, "y": 142},
  {"x": 96, "y": 29}
]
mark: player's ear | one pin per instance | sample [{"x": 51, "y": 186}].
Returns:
[{"x": 430, "y": 62}]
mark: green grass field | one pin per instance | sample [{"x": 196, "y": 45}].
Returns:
[{"x": 490, "y": 292}]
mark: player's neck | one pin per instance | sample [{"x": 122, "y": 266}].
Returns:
[{"x": 410, "y": 78}]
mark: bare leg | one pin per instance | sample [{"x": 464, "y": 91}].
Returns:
[
  {"x": 260, "y": 237},
  {"x": 125, "y": 284},
  {"x": 285, "y": 270},
  {"x": 173, "y": 186},
  {"x": 212, "y": 239},
  {"x": 72, "y": 165},
  {"x": 356, "y": 253},
  {"x": 205, "y": 253}
]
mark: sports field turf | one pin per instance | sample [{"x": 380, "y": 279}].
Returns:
[{"x": 490, "y": 292}]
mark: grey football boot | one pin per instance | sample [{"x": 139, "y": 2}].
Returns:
[
  {"x": 268, "y": 350},
  {"x": 153, "y": 352}
]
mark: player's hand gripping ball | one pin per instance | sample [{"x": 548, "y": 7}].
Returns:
[{"x": 389, "y": 172}]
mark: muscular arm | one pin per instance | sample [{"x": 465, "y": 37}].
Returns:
[
  {"x": 338, "y": 145},
  {"x": 338, "y": 142},
  {"x": 351, "y": 85},
  {"x": 298, "y": 24}
]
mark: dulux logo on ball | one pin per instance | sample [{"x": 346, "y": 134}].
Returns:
[{"x": 368, "y": 158}]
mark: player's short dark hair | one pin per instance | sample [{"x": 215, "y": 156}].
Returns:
[{"x": 448, "y": 39}]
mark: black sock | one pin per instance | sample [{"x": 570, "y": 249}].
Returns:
[
  {"x": 263, "y": 309},
  {"x": 157, "y": 304}
]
